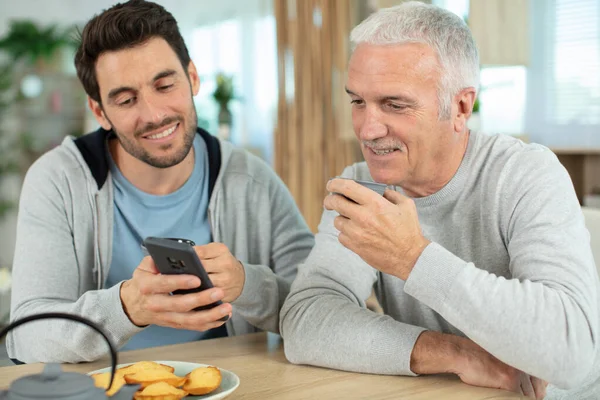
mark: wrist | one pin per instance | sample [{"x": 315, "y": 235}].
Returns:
[
  {"x": 435, "y": 353},
  {"x": 410, "y": 259},
  {"x": 127, "y": 303}
]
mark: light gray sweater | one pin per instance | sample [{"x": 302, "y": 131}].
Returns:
[
  {"x": 64, "y": 246},
  {"x": 510, "y": 266}
]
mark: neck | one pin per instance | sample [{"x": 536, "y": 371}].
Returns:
[
  {"x": 442, "y": 172},
  {"x": 149, "y": 179}
]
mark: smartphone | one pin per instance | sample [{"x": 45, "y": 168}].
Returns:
[
  {"x": 174, "y": 256},
  {"x": 374, "y": 186}
]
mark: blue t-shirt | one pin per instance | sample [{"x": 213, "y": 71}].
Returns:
[{"x": 137, "y": 215}]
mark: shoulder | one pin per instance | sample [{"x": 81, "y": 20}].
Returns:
[
  {"x": 512, "y": 153},
  {"x": 56, "y": 165},
  {"x": 242, "y": 166}
]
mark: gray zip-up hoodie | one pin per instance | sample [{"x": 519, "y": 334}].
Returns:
[{"x": 64, "y": 245}]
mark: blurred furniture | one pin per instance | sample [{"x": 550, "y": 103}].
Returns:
[
  {"x": 265, "y": 374},
  {"x": 592, "y": 222},
  {"x": 583, "y": 165},
  {"x": 314, "y": 139}
]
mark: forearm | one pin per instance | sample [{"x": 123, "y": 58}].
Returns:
[
  {"x": 435, "y": 353},
  {"x": 328, "y": 330},
  {"x": 508, "y": 317},
  {"x": 56, "y": 340}
]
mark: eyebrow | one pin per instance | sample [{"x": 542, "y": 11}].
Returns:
[
  {"x": 399, "y": 97},
  {"x": 164, "y": 74},
  {"x": 117, "y": 91}
]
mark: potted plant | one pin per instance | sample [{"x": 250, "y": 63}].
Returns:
[
  {"x": 223, "y": 94},
  {"x": 35, "y": 45}
]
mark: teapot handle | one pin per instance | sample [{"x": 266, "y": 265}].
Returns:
[{"x": 77, "y": 318}]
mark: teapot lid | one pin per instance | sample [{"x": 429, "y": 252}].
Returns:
[{"x": 53, "y": 383}]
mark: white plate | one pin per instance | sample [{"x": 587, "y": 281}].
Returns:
[{"x": 229, "y": 380}]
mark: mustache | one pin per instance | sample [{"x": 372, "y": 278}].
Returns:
[
  {"x": 381, "y": 145},
  {"x": 151, "y": 127}
]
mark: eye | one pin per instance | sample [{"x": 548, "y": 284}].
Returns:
[
  {"x": 165, "y": 87},
  {"x": 396, "y": 107},
  {"x": 357, "y": 102},
  {"x": 127, "y": 101}
]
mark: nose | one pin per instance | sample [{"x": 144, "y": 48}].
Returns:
[
  {"x": 151, "y": 111},
  {"x": 372, "y": 127}
]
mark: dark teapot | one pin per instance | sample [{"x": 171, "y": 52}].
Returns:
[{"x": 54, "y": 383}]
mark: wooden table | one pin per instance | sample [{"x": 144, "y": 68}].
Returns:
[{"x": 264, "y": 372}]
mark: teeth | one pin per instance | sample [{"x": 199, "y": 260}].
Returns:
[
  {"x": 163, "y": 133},
  {"x": 382, "y": 152}
]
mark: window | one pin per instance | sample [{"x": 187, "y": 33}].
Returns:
[
  {"x": 245, "y": 48},
  {"x": 574, "y": 80},
  {"x": 564, "y": 97},
  {"x": 458, "y": 7},
  {"x": 502, "y": 97}
]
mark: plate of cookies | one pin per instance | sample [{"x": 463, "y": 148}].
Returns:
[{"x": 173, "y": 380}]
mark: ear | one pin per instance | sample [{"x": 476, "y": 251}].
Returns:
[
  {"x": 464, "y": 102},
  {"x": 194, "y": 78},
  {"x": 99, "y": 113}
]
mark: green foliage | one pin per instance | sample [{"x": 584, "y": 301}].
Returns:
[
  {"x": 26, "y": 40},
  {"x": 32, "y": 45},
  {"x": 476, "y": 105},
  {"x": 224, "y": 92},
  {"x": 6, "y": 164}
]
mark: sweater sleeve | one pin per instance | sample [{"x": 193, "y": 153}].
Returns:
[
  {"x": 325, "y": 322},
  {"x": 543, "y": 320},
  {"x": 267, "y": 286},
  {"x": 47, "y": 278}
]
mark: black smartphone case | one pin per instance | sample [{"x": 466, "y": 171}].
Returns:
[{"x": 174, "y": 257}]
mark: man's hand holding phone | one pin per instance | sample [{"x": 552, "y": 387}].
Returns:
[
  {"x": 226, "y": 271},
  {"x": 147, "y": 300}
]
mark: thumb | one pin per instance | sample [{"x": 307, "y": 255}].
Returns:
[
  {"x": 394, "y": 197},
  {"x": 148, "y": 265}
]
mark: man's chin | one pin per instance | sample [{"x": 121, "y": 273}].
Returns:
[
  {"x": 164, "y": 161},
  {"x": 386, "y": 176}
]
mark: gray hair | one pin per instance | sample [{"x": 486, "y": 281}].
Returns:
[{"x": 445, "y": 32}]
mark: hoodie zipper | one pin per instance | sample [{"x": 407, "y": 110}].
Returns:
[{"x": 97, "y": 262}]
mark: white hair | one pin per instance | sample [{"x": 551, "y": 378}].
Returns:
[{"x": 445, "y": 32}]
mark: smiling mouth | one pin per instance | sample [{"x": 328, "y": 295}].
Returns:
[
  {"x": 382, "y": 152},
  {"x": 163, "y": 134}
]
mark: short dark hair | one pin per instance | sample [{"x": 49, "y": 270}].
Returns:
[{"x": 122, "y": 26}]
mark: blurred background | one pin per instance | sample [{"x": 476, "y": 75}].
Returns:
[{"x": 273, "y": 74}]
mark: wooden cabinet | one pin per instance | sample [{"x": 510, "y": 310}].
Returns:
[{"x": 583, "y": 166}]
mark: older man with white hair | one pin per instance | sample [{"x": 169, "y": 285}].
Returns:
[{"x": 480, "y": 258}]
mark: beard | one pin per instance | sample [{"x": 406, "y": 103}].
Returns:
[{"x": 132, "y": 147}]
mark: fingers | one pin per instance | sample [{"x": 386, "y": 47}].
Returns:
[
  {"x": 148, "y": 265},
  {"x": 198, "y": 320},
  {"x": 539, "y": 387},
  {"x": 222, "y": 264},
  {"x": 211, "y": 250},
  {"x": 213, "y": 266},
  {"x": 352, "y": 190},
  {"x": 183, "y": 303},
  {"x": 527, "y": 386},
  {"x": 340, "y": 223},
  {"x": 342, "y": 205},
  {"x": 394, "y": 197},
  {"x": 149, "y": 283}
]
